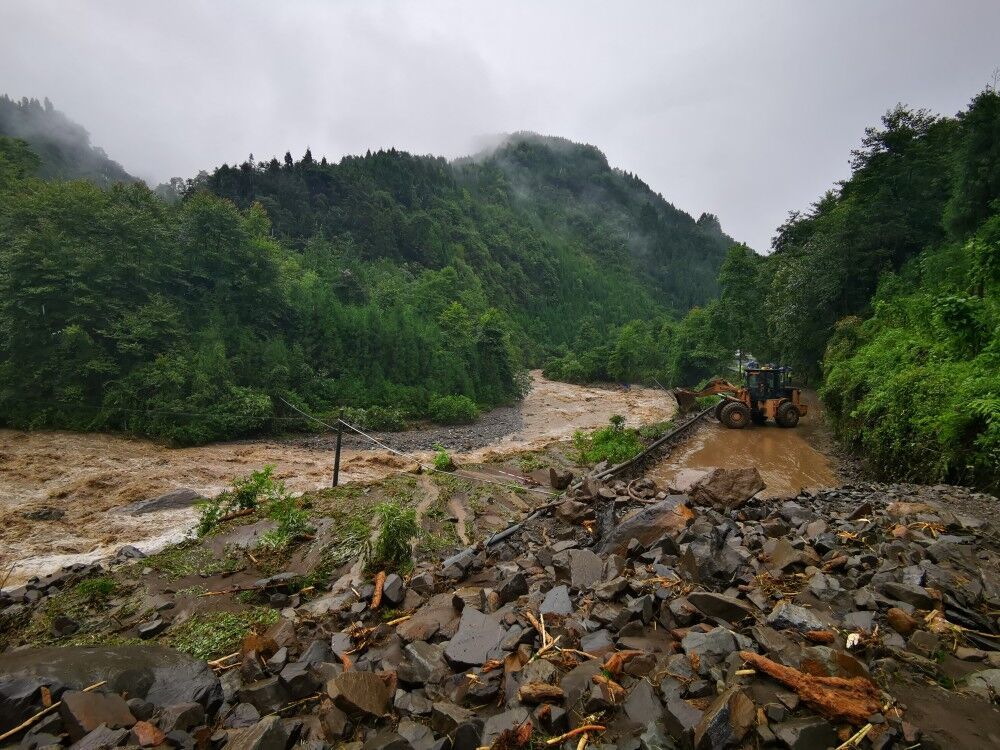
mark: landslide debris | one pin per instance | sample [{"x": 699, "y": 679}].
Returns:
[{"x": 621, "y": 616}]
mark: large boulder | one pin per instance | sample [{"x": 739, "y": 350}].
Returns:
[
  {"x": 173, "y": 500},
  {"x": 725, "y": 489},
  {"x": 161, "y": 675},
  {"x": 669, "y": 516}
]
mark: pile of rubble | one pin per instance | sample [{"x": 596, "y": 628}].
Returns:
[{"x": 622, "y": 618}]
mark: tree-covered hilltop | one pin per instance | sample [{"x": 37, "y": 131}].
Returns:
[
  {"x": 63, "y": 145},
  {"x": 399, "y": 285},
  {"x": 550, "y": 233}
]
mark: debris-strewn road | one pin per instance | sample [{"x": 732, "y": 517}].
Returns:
[
  {"x": 61, "y": 492},
  {"x": 622, "y": 615}
]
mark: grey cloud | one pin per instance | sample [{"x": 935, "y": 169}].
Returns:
[{"x": 746, "y": 110}]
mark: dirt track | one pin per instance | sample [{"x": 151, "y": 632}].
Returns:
[{"x": 90, "y": 476}]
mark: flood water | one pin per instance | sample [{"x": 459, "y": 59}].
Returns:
[{"x": 788, "y": 459}]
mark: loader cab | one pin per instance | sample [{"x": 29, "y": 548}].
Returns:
[{"x": 765, "y": 383}]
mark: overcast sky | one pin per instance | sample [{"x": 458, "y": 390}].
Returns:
[{"x": 743, "y": 109}]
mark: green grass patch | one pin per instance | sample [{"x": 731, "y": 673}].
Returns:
[
  {"x": 209, "y": 636},
  {"x": 94, "y": 590},
  {"x": 614, "y": 443},
  {"x": 190, "y": 558}
]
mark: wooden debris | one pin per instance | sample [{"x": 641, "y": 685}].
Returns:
[
  {"x": 821, "y": 636},
  {"x": 574, "y": 732},
  {"x": 379, "y": 584},
  {"x": 616, "y": 661},
  {"x": 851, "y": 699},
  {"x": 615, "y": 692},
  {"x": 534, "y": 693}
]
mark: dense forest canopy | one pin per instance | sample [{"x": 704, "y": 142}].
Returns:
[
  {"x": 386, "y": 283},
  {"x": 63, "y": 145}
]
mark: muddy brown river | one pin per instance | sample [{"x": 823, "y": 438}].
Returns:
[
  {"x": 788, "y": 459},
  {"x": 90, "y": 477}
]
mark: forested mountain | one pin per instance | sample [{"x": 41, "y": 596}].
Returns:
[
  {"x": 543, "y": 228},
  {"x": 400, "y": 285},
  {"x": 63, "y": 145}
]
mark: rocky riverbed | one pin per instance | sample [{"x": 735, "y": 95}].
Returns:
[{"x": 620, "y": 616}]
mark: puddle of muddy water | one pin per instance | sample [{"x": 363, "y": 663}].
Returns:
[{"x": 788, "y": 459}]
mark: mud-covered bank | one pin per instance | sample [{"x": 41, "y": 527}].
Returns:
[{"x": 62, "y": 494}]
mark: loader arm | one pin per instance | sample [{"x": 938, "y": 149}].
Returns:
[{"x": 686, "y": 398}]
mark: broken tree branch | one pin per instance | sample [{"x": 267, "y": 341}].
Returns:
[{"x": 852, "y": 699}]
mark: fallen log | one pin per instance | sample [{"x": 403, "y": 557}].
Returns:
[{"x": 851, "y": 699}]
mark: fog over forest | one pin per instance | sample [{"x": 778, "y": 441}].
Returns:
[{"x": 742, "y": 110}]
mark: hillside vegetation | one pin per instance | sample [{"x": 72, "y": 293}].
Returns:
[
  {"x": 382, "y": 283},
  {"x": 63, "y": 145},
  {"x": 887, "y": 294}
]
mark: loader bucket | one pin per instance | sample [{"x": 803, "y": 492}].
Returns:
[{"x": 685, "y": 400}]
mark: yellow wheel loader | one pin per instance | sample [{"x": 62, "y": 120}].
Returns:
[{"x": 766, "y": 393}]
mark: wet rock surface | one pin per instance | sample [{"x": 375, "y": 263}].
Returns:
[{"x": 644, "y": 620}]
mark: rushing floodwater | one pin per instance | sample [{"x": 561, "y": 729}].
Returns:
[{"x": 788, "y": 459}]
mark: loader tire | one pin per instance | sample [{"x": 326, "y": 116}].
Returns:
[
  {"x": 718, "y": 409},
  {"x": 735, "y": 415},
  {"x": 787, "y": 415}
]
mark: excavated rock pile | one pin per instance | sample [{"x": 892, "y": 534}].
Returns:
[{"x": 624, "y": 618}]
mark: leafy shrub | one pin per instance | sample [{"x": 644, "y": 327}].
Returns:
[
  {"x": 650, "y": 432},
  {"x": 258, "y": 489},
  {"x": 453, "y": 410},
  {"x": 293, "y": 522},
  {"x": 396, "y": 527},
  {"x": 442, "y": 461},
  {"x": 613, "y": 443}
]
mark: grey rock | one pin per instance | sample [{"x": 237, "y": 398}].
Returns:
[
  {"x": 267, "y": 734},
  {"x": 243, "y": 715},
  {"x": 299, "y": 680},
  {"x": 423, "y": 663},
  {"x": 158, "y": 674},
  {"x": 915, "y": 596},
  {"x": 445, "y": 716},
  {"x": 726, "y": 721},
  {"x": 173, "y": 500},
  {"x": 641, "y": 705},
  {"x": 393, "y": 590},
  {"x": 514, "y": 586},
  {"x": 82, "y": 713},
  {"x": 511, "y": 719},
  {"x": 267, "y": 695},
  {"x": 581, "y": 567},
  {"x": 809, "y": 733},
  {"x": 648, "y": 525},
  {"x": 359, "y": 693},
  {"x": 100, "y": 738},
  {"x": 793, "y": 617},
  {"x": 718, "y": 605},
  {"x": 152, "y": 628},
  {"x": 680, "y": 717},
  {"x": 182, "y": 716},
  {"x": 557, "y": 602},
  {"x": 477, "y": 636}
]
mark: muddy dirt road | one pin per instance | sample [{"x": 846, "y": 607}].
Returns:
[
  {"x": 88, "y": 478},
  {"x": 788, "y": 460}
]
